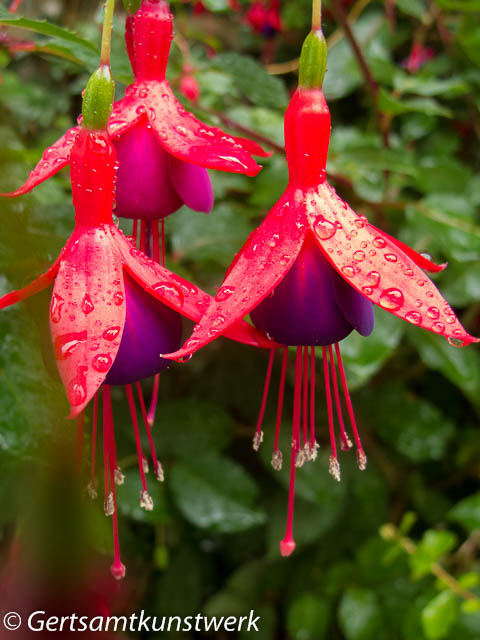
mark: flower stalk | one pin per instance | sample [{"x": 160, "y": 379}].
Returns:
[
  {"x": 107, "y": 32},
  {"x": 316, "y": 15}
]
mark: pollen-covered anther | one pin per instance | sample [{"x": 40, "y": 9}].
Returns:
[
  {"x": 300, "y": 458},
  {"x": 277, "y": 460},
  {"x": 334, "y": 468},
  {"x": 145, "y": 465},
  {"x": 346, "y": 444},
  {"x": 361, "y": 460},
  {"x": 257, "y": 440},
  {"x": 310, "y": 449},
  {"x": 146, "y": 501},
  {"x": 109, "y": 506},
  {"x": 159, "y": 473},
  {"x": 92, "y": 492},
  {"x": 118, "y": 477}
]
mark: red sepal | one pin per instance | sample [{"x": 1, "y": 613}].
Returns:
[
  {"x": 378, "y": 267},
  {"x": 54, "y": 158},
  {"x": 39, "y": 284},
  {"x": 261, "y": 264}
]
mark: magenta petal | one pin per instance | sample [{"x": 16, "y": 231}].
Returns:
[
  {"x": 144, "y": 189},
  {"x": 192, "y": 184},
  {"x": 151, "y": 329},
  {"x": 357, "y": 309}
]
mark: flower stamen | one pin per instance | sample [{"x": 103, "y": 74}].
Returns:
[
  {"x": 258, "y": 437},
  {"x": 156, "y": 464},
  {"x": 144, "y": 503},
  {"x": 277, "y": 458},
  {"x": 346, "y": 442},
  {"x": 334, "y": 466}
]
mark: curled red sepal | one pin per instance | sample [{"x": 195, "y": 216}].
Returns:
[
  {"x": 382, "y": 269},
  {"x": 88, "y": 304}
]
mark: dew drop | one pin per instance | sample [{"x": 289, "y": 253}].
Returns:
[
  {"x": 118, "y": 298},
  {"x": 367, "y": 291},
  {"x": 391, "y": 299},
  {"x": 390, "y": 257},
  {"x": 224, "y": 293},
  {"x": 359, "y": 256},
  {"x": 360, "y": 222},
  {"x": 348, "y": 271},
  {"x": 433, "y": 313},
  {"x": 179, "y": 128},
  {"x": 102, "y": 362},
  {"x": 87, "y": 304},
  {"x": 56, "y": 307},
  {"x": 323, "y": 228},
  {"x": 409, "y": 273},
  {"x": 111, "y": 334},
  {"x": 438, "y": 327},
  {"x": 456, "y": 342},
  {"x": 170, "y": 291},
  {"x": 414, "y": 317},
  {"x": 66, "y": 344},
  {"x": 379, "y": 243},
  {"x": 373, "y": 278}
]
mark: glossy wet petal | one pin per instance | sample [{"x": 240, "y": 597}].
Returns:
[
  {"x": 377, "y": 267},
  {"x": 192, "y": 184}
]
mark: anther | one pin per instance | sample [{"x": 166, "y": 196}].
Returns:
[
  {"x": 92, "y": 492},
  {"x": 145, "y": 465},
  {"x": 334, "y": 468},
  {"x": 109, "y": 505},
  {"x": 159, "y": 474},
  {"x": 118, "y": 476},
  {"x": 300, "y": 458},
  {"x": 361, "y": 460},
  {"x": 146, "y": 501},
  {"x": 257, "y": 440},
  {"x": 277, "y": 460}
]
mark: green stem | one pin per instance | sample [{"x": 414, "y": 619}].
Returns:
[
  {"x": 316, "y": 15},
  {"x": 107, "y": 32}
]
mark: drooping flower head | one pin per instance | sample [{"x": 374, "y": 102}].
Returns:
[
  {"x": 163, "y": 150},
  {"x": 308, "y": 276},
  {"x": 114, "y": 310},
  {"x": 264, "y": 17}
]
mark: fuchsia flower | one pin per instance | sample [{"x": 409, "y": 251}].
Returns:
[
  {"x": 113, "y": 311},
  {"x": 308, "y": 276},
  {"x": 264, "y": 19},
  {"x": 163, "y": 150},
  {"x": 419, "y": 55}
]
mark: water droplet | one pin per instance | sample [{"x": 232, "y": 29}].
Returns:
[
  {"x": 390, "y": 257},
  {"x": 118, "y": 298},
  {"x": 348, "y": 271},
  {"x": 323, "y": 228},
  {"x": 162, "y": 134},
  {"x": 359, "y": 256},
  {"x": 143, "y": 93},
  {"x": 426, "y": 255},
  {"x": 224, "y": 293},
  {"x": 111, "y": 334},
  {"x": 360, "y": 222},
  {"x": 421, "y": 283},
  {"x": 414, "y": 317},
  {"x": 373, "y": 278},
  {"x": 379, "y": 243},
  {"x": 456, "y": 342},
  {"x": 102, "y": 362},
  {"x": 77, "y": 390},
  {"x": 367, "y": 291},
  {"x": 66, "y": 344},
  {"x": 170, "y": 291},
  {"x": 274, "y": 240},
  {"x": 87, "y": 304},
  {"x": 438, "y": 327},
  {"x": 181, "y": 130},
  {"x": 391, "y": 299},
  {"x": 433, "y": 313},
  {"x": 56, "y": 307},
  {"x": 409, "y": 273}
]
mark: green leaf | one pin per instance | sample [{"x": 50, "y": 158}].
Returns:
[
  {"x": 215, "y": 493},
  {"x": 459, "y": 5},
  {"x": 359, "y": 614},
  {"x": 431, "y": 548},
  {"x": 439, "y": 616},
  {"x": 308, "y": 618},
  {"x": 467, "y": 512},
  {"x": 252, "y": 80},
  {"x": 128, "y": 497}
]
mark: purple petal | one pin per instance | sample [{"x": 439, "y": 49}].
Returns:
[
  {"x": 357, "y": 309},
  {"x": 144, "y": 189},
  {"x": 151, "y": 328},
  {"x": 192, "y": 183},
  {"x": 303, "y": 309}
]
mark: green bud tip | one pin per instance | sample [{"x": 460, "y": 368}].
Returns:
[
  {"x": 132, "y": 6},
  {"x": 98, "y": 98},
  {"x": 313, "y": 60}
]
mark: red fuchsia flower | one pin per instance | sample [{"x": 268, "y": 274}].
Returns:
[
  {"x": 308, "y": 277},
  {"x": 163, "y": 150},
  {"x": 264, "y": 19},
  {"x": 113, "y": 309},
  {"x": 189, "y": 84},
  {"x": 419, "y": 55}
]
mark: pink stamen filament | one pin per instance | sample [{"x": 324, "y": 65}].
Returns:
[
  {"x": 347, "y": 398},
  {"x": 163, "y": 242},
  {"x": 312, "y": 396},
  {"x": 106, "y": 399},
  {"x": 147, "y": 427},
  {"x": 346, "y": 444},
  {"x": 107, "y": 410},
  {"x": 135, "y": 231},
  {"x": 328, "y": 394},
  {"x": 266, "y": 388},
  {"x": 155, "y": 241},
  {"x": 287, "y": 545},
  {"x": 154, "y": 401},
  {"x": 281, "y": 394},
  {"x": 143, "y": 236},
  {"x": 94, "y": 441},
  {"x": 133, "y": 414},
  {"x": 79, "y": 436},
  {"x": 305, "y": 395}
]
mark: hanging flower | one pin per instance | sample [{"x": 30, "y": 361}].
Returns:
[
  {"x": 163, "y": 150},
  {"x": 308, "y": 276},
  {"x": 113, "y": 309},
  {"x": 264, "y": 19}
]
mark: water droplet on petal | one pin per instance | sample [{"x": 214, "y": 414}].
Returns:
[
  {"x": 379, "y": 243},
  {"x": 456, "y": 342},
  {"x": 323, "y": 228},
  {"x": 390, "y": 257},
  {"x": 181, "y": 130},
  {"x": 102, "y": 362},
  {"x": 359, "y": 256},
  {"x": 391, "y": 299},
  {"x": 438, "y": 327},
  {"x": 87, "y": 304},
  {"x": 360, "y": 222},
  {"x": 56, "y": 307},
  {"x": 118, "y": 298},
  {"x": 414, "y": 317},
  {"x": 170, "y": 291},
  {"x": 111, "y": 333},
  {"x": 367, "y": 291},
  {"x": 224, "y": 293},
  {"x": 348, "y": 271},
  {"x": 66, "y": 344},
  {"x": 373, "y": 278},
  {"x": 433, "y": 313}
]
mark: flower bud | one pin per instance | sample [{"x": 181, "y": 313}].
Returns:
[
  {"x": 313, "y": 60},
  {"x": 98, "y": 98}
]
